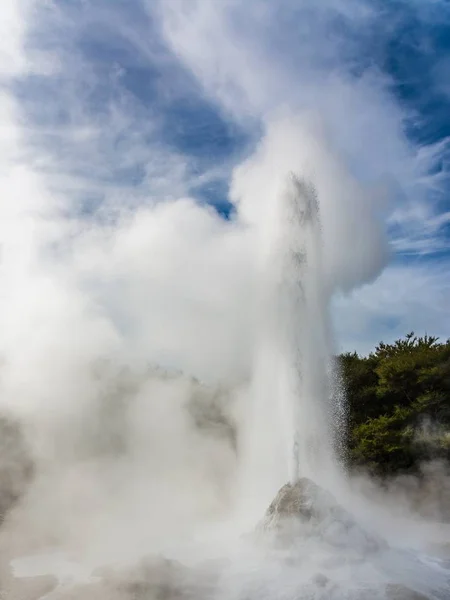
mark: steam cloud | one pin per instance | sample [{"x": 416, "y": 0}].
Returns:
[{"x": 150, "y": 351}]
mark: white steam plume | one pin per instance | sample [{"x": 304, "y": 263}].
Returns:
[{"x": 131, "y": 460}]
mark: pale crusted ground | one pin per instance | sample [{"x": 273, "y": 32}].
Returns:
[
  {"x": 25, "y": 588},
  {"x": 157, "y": 578}
]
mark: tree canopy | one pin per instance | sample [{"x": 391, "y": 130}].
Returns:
[{"x": 399, "y": 404}]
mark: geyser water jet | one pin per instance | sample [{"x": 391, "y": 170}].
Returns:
[
  {"x": 290, "y": 434},
  {"x": 302, "y": 330}
]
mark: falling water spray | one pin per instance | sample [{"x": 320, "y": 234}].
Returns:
[
  {"x": 303, "y": 330},
  {"x": 289, "y": 435}
]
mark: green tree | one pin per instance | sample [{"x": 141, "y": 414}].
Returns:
[{"x": 399, "y": 403}]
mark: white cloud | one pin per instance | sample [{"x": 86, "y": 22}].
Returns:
[
  {"x": 12, "y": 29},
  {"x": 255, "y": 58},
  {"x": 403, "y": 299}
]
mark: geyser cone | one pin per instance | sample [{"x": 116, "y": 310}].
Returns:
[{"x": 306, "y": 503}]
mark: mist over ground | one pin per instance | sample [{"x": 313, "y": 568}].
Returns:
[{"x": 199, "y": 199}]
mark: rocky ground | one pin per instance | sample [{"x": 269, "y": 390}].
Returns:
[{"x": 298, "y": 510}]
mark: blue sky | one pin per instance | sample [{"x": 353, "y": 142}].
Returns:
[{"x": 124, "y": 104}]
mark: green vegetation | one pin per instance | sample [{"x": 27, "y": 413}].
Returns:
[{"x": 399, "y": 404}]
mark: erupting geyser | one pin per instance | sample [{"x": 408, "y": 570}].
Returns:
[
  {"x": 290, "y": 463},
  {"x": 153, "y": 506},
  {"x": 290, "y": 433},
  {"x": 169, "y": 414},
  {"x": 301, "y": 331}
]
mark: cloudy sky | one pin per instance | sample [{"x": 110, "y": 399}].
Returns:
[{"x": 121, "y": 119}]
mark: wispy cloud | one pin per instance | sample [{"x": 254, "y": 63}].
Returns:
[
  {"x": 336, "y": 61},
  {"x": 403, "y": 299},
  {"x": 322, "y": 58},
  {"x": 110, "y": 110}
]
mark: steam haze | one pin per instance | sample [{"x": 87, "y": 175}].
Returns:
[{"x": 163, "y": 167}]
